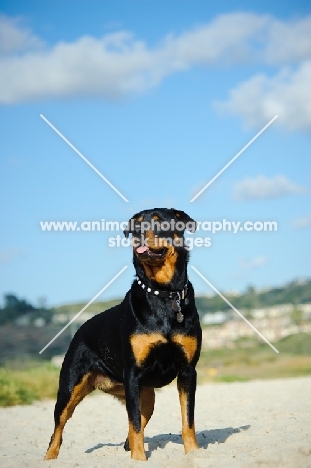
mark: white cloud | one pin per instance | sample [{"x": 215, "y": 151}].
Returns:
[
  {"x": 247, "y": 265},
  {"x": 288, "y": 42},
  {"x": 118, "y": 64},
  {"x": 262, "y": 187},
  {"x": 287, "y": 94},
  {"x": 14, "y": 37},
  {"x": 256, "y": 262},
  {"x": 302, "y": 222}
]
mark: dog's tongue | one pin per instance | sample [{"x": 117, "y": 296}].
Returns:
[{"x": 142, "y": 249}]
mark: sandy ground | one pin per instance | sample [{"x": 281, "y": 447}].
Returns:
[{"x": 253, "y": 424}]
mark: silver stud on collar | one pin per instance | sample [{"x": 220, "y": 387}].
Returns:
[
  {"x": 156, "y": 292},
  {"x": 149, "y": 289}
]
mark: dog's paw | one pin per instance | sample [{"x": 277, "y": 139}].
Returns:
[{"x": 126, "y": 445}]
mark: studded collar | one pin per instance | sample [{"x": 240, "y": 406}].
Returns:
[{"x": 160, "y": 293}]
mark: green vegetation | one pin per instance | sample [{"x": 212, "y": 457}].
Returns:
[
  {"x": 257, "y": 361},
  {"x": 299, "y": 344},
  {"x": 23, "y": 386},
  {"x": 232, "y": 378},
  {"x": 297, "y": 316}
]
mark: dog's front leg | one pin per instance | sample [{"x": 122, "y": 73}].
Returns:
[
  {"x": 186, "y": 384},
  {"x": 136, "y": 431}
]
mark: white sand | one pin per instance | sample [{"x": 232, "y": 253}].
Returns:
[{"x": 255, "y": 424}]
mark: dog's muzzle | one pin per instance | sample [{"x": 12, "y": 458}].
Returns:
[{"x": 145, "y": 252}]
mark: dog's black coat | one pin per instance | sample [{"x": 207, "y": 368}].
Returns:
[{"x": 137, "y": 345}]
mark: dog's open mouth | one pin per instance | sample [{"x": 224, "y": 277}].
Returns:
[{"x": 147, "y": 252}]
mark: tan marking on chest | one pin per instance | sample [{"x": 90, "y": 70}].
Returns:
[
  {"x": 142, "y": 344},
  {"x": 189, "y": 344}
]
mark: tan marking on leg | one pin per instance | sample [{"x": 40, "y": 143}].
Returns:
[
  {"x": 188, "y": 433},
  {"x": 118, "y": 392},
  {"x": 147, "y": 397},
  {"x": 79, "y": 392},
  {"x": 188, "y": 343},
  {"x": 136, "y": 442},
  {"x": 55, "y": 443},
  {"x": 102, "y": 382},
  {"x": 106, "y": 385},
  {"x": 142, "y": 344}
]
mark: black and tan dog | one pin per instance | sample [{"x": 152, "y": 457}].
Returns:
[{"x": 153, "y": 336}]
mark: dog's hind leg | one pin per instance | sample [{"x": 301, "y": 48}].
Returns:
[
  {"x": 147, "y": 397},
  {"x": 68, "y": 397}
]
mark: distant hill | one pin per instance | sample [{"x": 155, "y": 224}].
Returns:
[
  {"x": 23, "y": 332},
  {"x": 95, "y": 307},
  {"x": 295, "y": 292}
]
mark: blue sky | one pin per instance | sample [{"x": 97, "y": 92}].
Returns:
[{"x": 159, "y": 96}]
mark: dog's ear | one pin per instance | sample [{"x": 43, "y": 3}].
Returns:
[
  {"x": 128, "y": 230},
  {"x": 130, "y": 225},
  {"x": 190, "y": 224}
]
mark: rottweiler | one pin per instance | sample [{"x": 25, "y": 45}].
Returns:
[{"x": 145, "y": 342}]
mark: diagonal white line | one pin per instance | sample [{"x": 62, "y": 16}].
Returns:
[
  {"x": 85, "y": 307},
  {"x": 235, "y": 310},
  {"x": 83, "y": 157},
  {"x": 233, "y": 159}
]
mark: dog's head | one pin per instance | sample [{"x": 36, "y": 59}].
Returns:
[{"x": 158, "y": 242}]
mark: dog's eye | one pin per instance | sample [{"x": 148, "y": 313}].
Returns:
[{"x": 137, "y": 228}]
